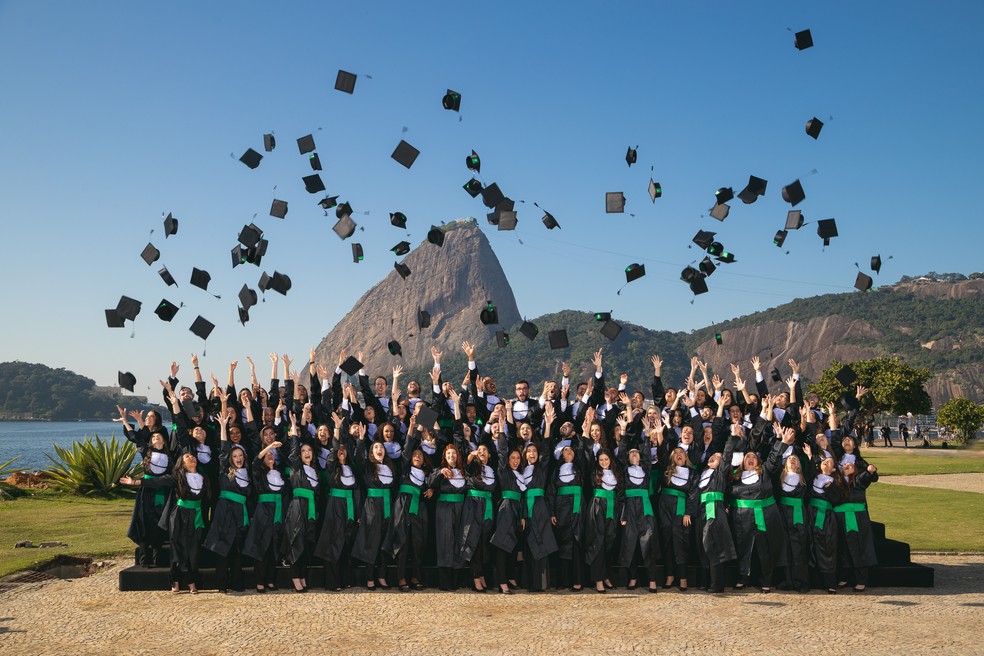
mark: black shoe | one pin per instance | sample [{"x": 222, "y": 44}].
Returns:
[
  {"x": 602, "y": 591},
  {"x": 576, "y": 589},
  {"x": 508, "y": 590},
  {"x": 831, "y": 590},
  {"x": 512, "y": 586},
  {"x": 766, "y": 590},
  {"x": 682, "y": 588},
  {"x": 300, "y": 590},
  {"x": 404, "y": 588},
  {"x": 271, "y": 586},
  {"x": 631, "y": 586},
  {"x": 609, "y": 586},
  {"x": 859, "y": 589},
  {"x": 383, "y": 587},
  {"x": 261, "y": 591},
  {"x": 653, "y": 590}
]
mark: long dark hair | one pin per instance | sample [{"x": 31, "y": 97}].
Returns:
[
  {"x": 179, "y": 472},
  {"x": 373, "y": 467},
  {"x": 599, "y": 472}
]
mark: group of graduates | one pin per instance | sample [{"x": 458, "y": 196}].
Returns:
[{"x": 584, "y": 479}]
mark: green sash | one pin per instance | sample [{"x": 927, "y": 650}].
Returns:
[
  {"x": 484, "y": 494},
  {"x": 572, "y": 490},
  {"x": 850, "y": 511},
  {"x": 512, "y": 495},
  {"x": 797, "y": 505},
  {"x": 681, "y": 497},
  {"x": 710, "y": 507},
  {"x": 822, "y": 506},
  {"x": 160, "y": 494},
  {"x": 236, "y": 498},
  {"x": 197, "y": 507},
  {"x": 414, "y": 493},
  {"x": 381, "y": 493},
  {"x": 757, "y": 505},
  {"x": 647, "y": 506},
  {"x": 342, "y": 493},
  {"x": 608, "y": 495},
  {"x": 304, "y": 493},
  {"x": 451, "y": 498},
  {"x": 531, "y": 495},
  {"x": 278, "y": 501}
]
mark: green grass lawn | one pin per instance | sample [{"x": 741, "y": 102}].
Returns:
[
  {"x": 90, "y": 527},
  {"x": 940, "y": 462},
  {"x": 929, "y": 519}
]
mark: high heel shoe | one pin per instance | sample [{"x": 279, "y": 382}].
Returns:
[
  {"x": 260, "y": 590},
  {"x": 505, "y": 590},
  {"x": 382, "y": 585},
  {"x": 631, "y": 586}
]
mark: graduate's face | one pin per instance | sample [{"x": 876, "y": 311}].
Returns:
[
  {"x": 706, "y": 414},
  {"x": 238, "y": 458},
  {"x": 566, "y": 429},
  {"x": 652, "y": 413},
  {"x": 638, "y": 399},
  {"x": 417, "y": 459},
  {"x": 782, "y": 401},
  {"x": 677, "y": 419},
  {"x": 525, "y": 432},
  {"x": 370, "y": 414},
  {"x": 848, "y": 444},
  {"x": 726, "y": 398},
  {"x": 670, "y": 396},
  {"x": 514, "y": 460},
  {"x": 471, "y": 413},
  {"x": 734, "y": 414},
  {"x": 185, "y": 394},
  {"x": 848, "y": 469},
  {"x": 342, "y": 455},
  {"x": 380, "y": 386},
  {"x": 378, "y": 452},
  {"x": 198, "y": 434},
  {"x": 190, "y": 462},
  {"x": 490, "y": 387},
  {"x": 822, "y": 441},
  {"x": 483, "y": 455},
  {"x": 466, "y": 431},
  {"x": 153, "y": 420},
  {"x": 323, "y": 434},
  {"x": 604, "y": 461},
  {"x": 522, "y": 391},
  {"x": 700, "y": 397},
  {"x": 245, "y": 396},
  {"x": 714, "y": 461},
  {"x": 307, "y": 455},
  {"x": 828, "y": 466},
  {"x": 567, "y": 454},
  {"x": 679, "y": 457},
  {"x": 708, "y": 434},
  {"x": 268, "y": 436},
  {"x": 302, "y": 394},
  {"x": 793, "y": 465},
  {"x": 157, "y": 441},
  {"x": 235, "y": 435},
  {"x": 532, "y": 455},
  {"x": 750, "y": 462},
  {"x": 230, "y": 413},
  {"x": 269, "y": 460},
  {"x": 389, "y": 432},
  {"x": 595, "y": 431},
  {"x": 451, "y": 456},
  {"x": 633, "y": 457},
  {"x": 413, "y": 388},
  {"x": 687, "y": 435},
  {"x": 447, "y": 388},
  {"x": 268, "y": 415}
]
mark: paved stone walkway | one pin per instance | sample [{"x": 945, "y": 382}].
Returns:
[
  {"x": 959, "y": 482},
  {"x": 89, "y": 616}
]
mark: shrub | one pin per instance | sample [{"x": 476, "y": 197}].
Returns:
[
  {"x": 94, "y": 466},
  {"x": 963, "y": 416},
  {"x": 8, "y": 491}
]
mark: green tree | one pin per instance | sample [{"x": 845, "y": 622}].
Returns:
[
  {"x": 963, "y": 416},
  {"x": 893, "y": 386}
]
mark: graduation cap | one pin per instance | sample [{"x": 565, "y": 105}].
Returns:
[
  {"x": 313, "y": 183},
  {"x": 689, "y": 274},
  {"x": 502, "y": 338},
  {"x": 328, "y": 202},
  {"x": 280, "y": 282},
  {"x": 170, "y": 226},
  {"x": 723, "y": 195},
  {"x": 473, "y": 187},
  {"x": 876, "y": 263},
  {"x": 611, "y": 330},
  {"x": 451, "y": 101},
  {"x": 698, "y": 285},
  {"x": 863, "y": 282},
  {"x": 200, "y": 278},
  {"x": 655, "y": 190},
  {"x": 794, "y": 220},
  {"x": 150, "y": 254},
  {"x": 405, "y": 154},
  {"x": 826, "y": 229},
  {"x": 401, "y": 249},
  {"x": 243, "y": 315},
  {"x": 704, "y": 239},
  {"x": 630, "y": 156},
  {"x": 423, "y": 319},
  {"x": 402, "y": 269},
  {"x": 725, "y": 257},
  {"x": 813, "y": 127},
  {"x": 250, "y": 235},
  {"x": 550, "y": 221},
  {"x": 314, "y": 161},
  {"x": 718, "y": 339},
  {"x": 436, "y": 236},
  {"x": 720, "y": 211},
  {"x": 166, "y": 310},
  {"x": 793, "y": 193},
  {"x": 427, "y": 417},
  {"x": 351, "y": 366},
  {"x": 780, "y": 238},
  {"x": 306, "y": 144},
  {"x": 269, "y": 142},
  {"x": 489, "y": 314},
  {"x": 474, "y": 162},
  {"x": 754, "y": 189},
  {"x": 614, "y": 202},
  {"x": 846, "y": 376},
  {"x": 706, "y": 266},
  {"x": 344, "y": 227},
  {"x": 126, "y": 380},
  {"x": 394, "y": 348},
  {"x": 803, "y": 40},
  {"x": 264, "y": 282},
  {"x": 557, "y": 339},
  {"x": 634, "y": 272},
  {"x": 398, "y": 219},
  {"x": 202, "y": 327},
  {"x": 507, "y": 221},
  {"x": 849, "y": 402},
  {"x": 238, "y": 256},
  {"x": 492, "y": 196},
  {"x": 345, "y": 81},
  {"x": 529, "y": 330},
  {"x": 278, "y": 208},
  {"x": 113, "y": 319},
  {"x": 357, "y": 254},
  {"x": 167, "y": 277},
  {"x": 251, "y": 158},
  {"x": 343, "y": 210},
  {"x": 247, "y": 297},
  {"x": 128, "y": 308},
  {"x": 776, "y": 376},
  {"x": 602, "y": 316}
]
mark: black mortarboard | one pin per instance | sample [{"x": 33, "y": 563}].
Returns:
[
  {"x": 313, "y": 183},
  {"x": 718, "y": 339},
  {"x": 631, "y": 156},
  {"x": 357, "y": 254},
  {"x": 493, "y": 218},
  {"x": 849, "y": 402},
  {"x": 550, "y": 221},
  {"x": 247, "y": 297},
  {"x": 780, "y": 238},
  {"x": 720, "y": 211},
  {"x": 436, "y": 236},
  {"x": 306, "y": 144},
  {"x": 529, "y": 330},
  {"x": 876, "y": 263},
  {"x": 126, "y": 380},
  {"x": 793, "y": 193},
  {"x": 113, "y": 319},
  {"x": 264, "y": 282},
  {"x": 150, "y": 254},
  {"x": 489, "y": 314},
  {"x": 706, "y": 266},
  {"x": 803, "y": 40},
  {"x": 269, "y": 142},
  {"x": 725, "y": 256},
  {"x": 427, "y": 417},
  {"x": 405, "y": 154},
  {"x": 794, "y": 220},
  {"x": 863, "y": 282},
  {"x": 634, "y": 272},
  {"x": 202, "y": 327},
  {"x": 251, "y": 158},
  {"x": 344, "y": 227},
  {"x": 698, "y": 285},
  {"x": 716, "y": 248},
  {"x": 402, "y": 269},
  {"x": 826, "y": 229},
  {"x": 345, "y": 81},
  {"x": 492, "y": 195},
  {"x": 170, "y": 226},
  {"x": 280, "y": 282},
  {"x": 723, "y": 195},
  {"x": 278, "y": 208},
  {"x": 474, "y": 162},
  {"x": 602, "y": 316},
  {"x": 128, "y": 308},
  {"x": 754, "y": 189},
  {"x": 689, "y": 274},
  {"x": 314, "y": 161},
  {"x": 401, "y": 249},
  {"x": 200, "y": 278},
  {"x": 473, "y": 187},
  {"x": 614, "y": 202},
  {"x": 423, "y": 318},
  {"x": 250, "y": 235},
  {"x": 451, "y": 100},
  {"x": 394, "y": 348},
  {"x": 505, "y": 205},
  {"x": 328, "y": 202},
  {"x": 507, "y": 221},
  {"x": 238, "y": 256},
  {"x": 502, "y": 338},
  {"x": 243, "y": 315},
  {"x": 813, "y": 127},
  {"x": 776, "y": 376},
  {"x": 611, "y": 330},
  {"x": 398, "y": 219},
  {"x": 557, "y": 339},
  {"x": 343, "y": 210},
  {"x": 167, "y": 277},
  {"x": 704, "y": 239},
  {"x": 846, "y": 376},
  {"x": 351, "y": 366},
  {"x": 655, "y": 189},
  {"x": 166, "y": 310}
]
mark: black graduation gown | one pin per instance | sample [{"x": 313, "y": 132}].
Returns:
[
  {"x": 747, "y": 536},
  {"x": 857, "y": 548},
  {"x": 374, "y": 526},
  {"x": 337, "y": 530},
  {"x": 448, "y": 519},
  {"x": 674, "y": 536},
  {"x": 406, "y": 526},
  {"x": 150, "y": 502},
  {"x": 184, "y": 537},
  {"x": 823, "y": 538},
  {"x": 264, "y": 530},
  {"x": 797, "y": 553},
  {"x": 540, "y": 540},
  {"x": 300, "y": 530},
  {"x": 640, "y": 529},
  {"x": 570, "y": 524},
  {"x": 714, "y": 542},
  {"x": 227, "y": 529},
  {"x": 475, "y": 529},
  {"x": 510, "y": 511},
  {"x": 599, "y": 531}
]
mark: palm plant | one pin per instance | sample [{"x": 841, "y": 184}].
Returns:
[
  {"x": 94, "y": 466},
  {"x": 8, "y": 491}
]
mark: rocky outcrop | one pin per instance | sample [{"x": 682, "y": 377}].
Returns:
[{"x": 948, "y": 290}]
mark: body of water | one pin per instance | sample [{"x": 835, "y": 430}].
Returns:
[{"x": 31, "y": 440}]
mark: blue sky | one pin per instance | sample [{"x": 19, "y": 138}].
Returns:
[{"x": 115, "y": 113}]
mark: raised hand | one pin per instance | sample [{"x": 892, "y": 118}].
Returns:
[
  {"x": 296, "y": 377},
  {"x": 293, "y": 420},
  {"x": 359, "y": 356},
  {"x": 565, "y": 369},
  {"x": 436, "y": 355},
  {"x": 194, "y": 360},
  {"x": 861, "y": 391},
  {"x": 223, "y": 419},
  {"x": 233, "y": 365},
  {"x": 795, "y": 367},
  {"x": 735, "y": 369},
  {"x": 249, "y": 361},
  {"x": 322, "y": 373},
  {"x": 791, "y": 382},
  {"x": 274, "y": 358},
  {"x": 624, "y": 399},
  {"x": 808, "y": 451},
  {"x": 174, "y": 369},
  {"x": 469, "y": 350},
  {"x": 549, "y": 413},
  {"x": 596, "y": 360},
  {"x": 657, "y": 364},
  {"x": 622, "y": 423},
  {"x": 717, "y": 382},
  {"x": 623, "y": 379},
  {"x": 342, "y": 356},
  {"x": 397, "y": 371},
  {"x": 287, "y": 361},
  {"x": 435, "y": 375},
  {"x": 756, "y": 363}
]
